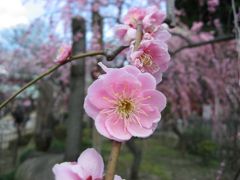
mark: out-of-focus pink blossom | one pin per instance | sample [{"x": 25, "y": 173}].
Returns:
[
  {"x": 89, "y": 166},
  {"x": 197, "y": 26},
  {"x": 212, "y": 5},
  {"x": 125, "y": 33},
  {"x": 124, "y": 103},
  {"x": 160, "y": 34},
  {"x": 133, "y": 16},
  {"x": 63, "y": 53},
  {"x": 151, "y": 56},
  {"x": 153, "y": 19}
]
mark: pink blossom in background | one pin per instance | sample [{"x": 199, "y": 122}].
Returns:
[
  {"x": 153, "y": 19},
  {"x": 63, "y": 53},
  {"x": 89, "y": 166},
  {"x": 212, "y": 5},
  {"x": 124, "y": 103},
  {"x": 151, "y": 56},
  {"x": 197, "y": 26},
  {"x": 133, "y": 16},
  {"x": 125, "y": 33}
]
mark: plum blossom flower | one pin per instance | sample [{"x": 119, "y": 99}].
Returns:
[
  {"x": 89, "y": 166},
  {"x": 212, "y": 5},
  {"x": 63, "y": 53},
  {"x": 152, "y": 20},
  {"x": 197, "y": 26},
  {"x": 124, "y": 103},
  {"x": 133, "y": 16},
  {"x": 151, "y": 56}
]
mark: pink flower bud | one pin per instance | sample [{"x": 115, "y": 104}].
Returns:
[{"x": 63, "y": 54}]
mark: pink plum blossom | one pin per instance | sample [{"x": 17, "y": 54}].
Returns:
[
  {"x": 89, "y": 166},
  {"x": 152, "y": 20},
  {"x": 151, "y": 56},
  {"x": 197, "y": 26},
  {"x": 125, "y": 33},
  {"x": 133, "y": 16},
  {"x": 63, "y": 53},
  {"x": 212, "y": 5},
  {"x": 124, "y": 103}
]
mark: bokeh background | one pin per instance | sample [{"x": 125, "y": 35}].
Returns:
[{"x": 198, "y": 137}]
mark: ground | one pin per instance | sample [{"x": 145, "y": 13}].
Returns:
[{"x": 161, "y": 160}]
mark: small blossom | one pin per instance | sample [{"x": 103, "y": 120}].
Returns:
[
  {"x": 152, "y": 20},
  {"x": 124, "y": 103},
  {"x": 125, "y": 33},
  {"x": 133, "y": 16},
  {"x": 89, "y": 166},
  {"x": 63, "y": 53},
  {"x": 197, "y": 26},
  {"x": 151, "y": 56}
]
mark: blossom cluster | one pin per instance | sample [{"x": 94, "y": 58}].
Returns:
[
  {"x": 124, "y": 102},
  {"x": 152, "y": 54}
]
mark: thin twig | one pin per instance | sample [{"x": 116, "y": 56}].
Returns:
[
  {"x": 193, "y": 45},
  {"x": 109, "y": 56}
]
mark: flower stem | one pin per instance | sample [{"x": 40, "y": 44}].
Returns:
[
  {"x": 112, "y": 162},
  {"x": 138, "y": 36}
]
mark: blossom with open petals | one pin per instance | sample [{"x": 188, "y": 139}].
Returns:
[
  {"x": 151, "y": 19},
  {"x": 133, "y": 16},
  {"x": 63, "y": 53},
  {"x": 124, "y": 103},
  {"x": 89, "y": 166},
  {"x": 151, "y": 56}
]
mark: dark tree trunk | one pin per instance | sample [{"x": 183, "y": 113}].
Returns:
[
  {"x": 97, "y": 25},
  {"x": 44, "y": 118},
  {"x": 76, "y": 99},
  {"x": 137, "y": 157}
]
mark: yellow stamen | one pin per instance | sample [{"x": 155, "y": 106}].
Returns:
[
  {"x": 146, "y": 59},
  {"x": 125, "y": 107}
]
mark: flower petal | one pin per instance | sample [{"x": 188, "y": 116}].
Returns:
[
  {"x": 90, "y": 109},
  {"x": 91, "y": 163},
  {"x": 64, "y": 171},
  {"x": 147, "y": 80},
  {"x": 100, "y": 125},
  {"x": 155, "y": 98},
  {"x": 136, "y": 130},
  {"x": 117, "y": 130}
]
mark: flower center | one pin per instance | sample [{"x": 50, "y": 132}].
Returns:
[
  {"x": 125, "y": 107},
  {"x": 146, "y": 59}
]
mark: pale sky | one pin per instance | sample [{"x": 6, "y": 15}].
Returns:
[{"x": 13, "y": 12}]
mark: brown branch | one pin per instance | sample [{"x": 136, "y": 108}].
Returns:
[
  {"x": 182, "y": 37},
  {"x": 112, "y": 162},
  {"x": 193, "y": 45}
]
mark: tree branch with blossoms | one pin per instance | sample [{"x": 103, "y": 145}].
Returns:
[{"x": 124, "y": 102}]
